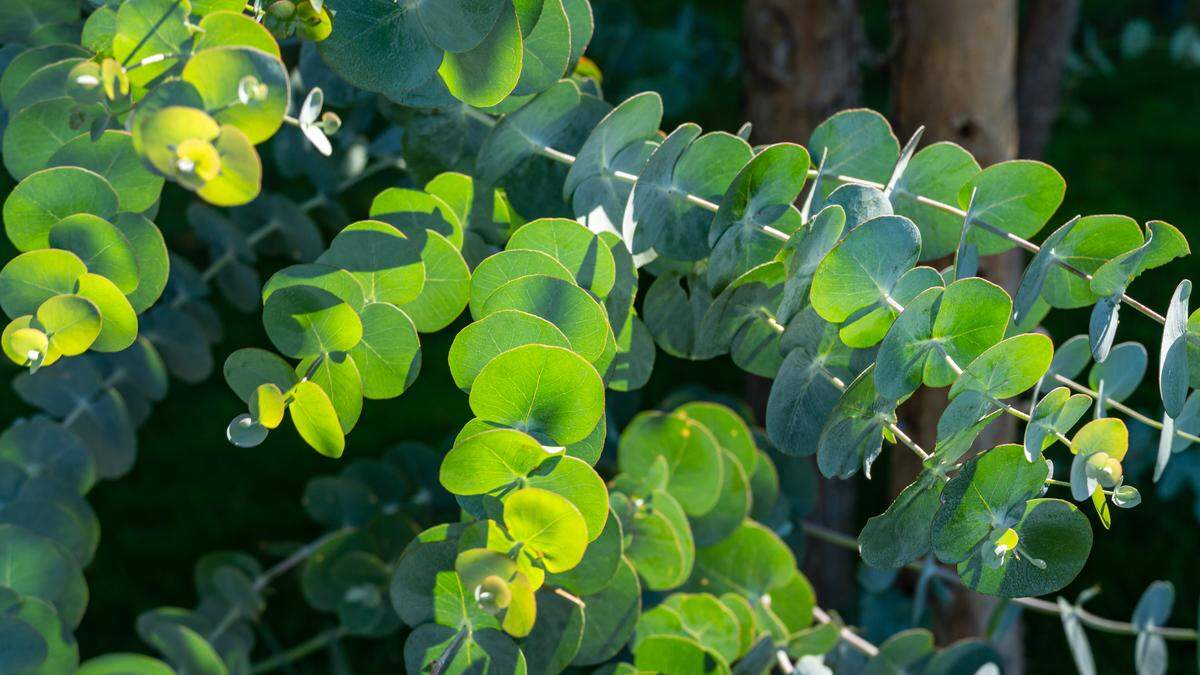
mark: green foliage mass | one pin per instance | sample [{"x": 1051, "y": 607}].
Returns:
[{"x": 534, "y": 207}]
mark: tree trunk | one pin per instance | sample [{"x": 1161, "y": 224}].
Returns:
[
  {"x": 955, "y": 71},
  {"x": 1045, "y": 44},
  {"x": 802, "y": 65}
]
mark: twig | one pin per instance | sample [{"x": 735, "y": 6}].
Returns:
[{"x": 1034, "y": 604}]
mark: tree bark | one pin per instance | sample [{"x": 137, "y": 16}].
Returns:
[
  {"x": 802, "y": 65},
  {"x": 1045, "y": 43},
  {"x": 803, "y": 62},
  {"x": 955, "y": 71}
]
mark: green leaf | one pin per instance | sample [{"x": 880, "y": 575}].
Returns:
[
  {"x": 900, "y": 535},
  {"x": 908, "y": 349},
  {"x": 804, "y": 394},
  {"x": 30, "y": 60},
  {"x": 149, "y": 27},
  {"x": 853, "y": 435},
  {"x": 674, "y": 315},
  {"x": 113, "y": 157},
  {"x": 560, "y": 117},
  {"x": 316, "y": 420},
  {"x": 459, "y": 25},
  {"x": 547, "y": 526},
  {"x": 691, "y": 452},
  {"x": 732, "y": 507},
  {"x": 761, "y": 195},
  {"x": 1173, "y": 356},
  {"x": 580, "y": 318},
  {"x": 1057, "y": 412},
  {"x": 863, "y": 269},
  {"x": 38, "y": 442},
  {"x": 488, "y": 72},
  {"x": 44, "y": 198},
  {"x": 380, "y": 46},
  {"x": 325, "y": 277},
  {"x": 635, "y": 120},
  {"x": 150, "y": 253},
  {"x": 972, "y": 317},
  {"x": 581, "y": 252},
  {"x": 37, "y": 567},
  {"x": 610, "y": 616},
  {"x": 728, "y": 428},
  {"x": 227, "y": 26},
  {"x": 938, "y": 171},
  {"x": 490, "y": 460},
  {"x": 1052, "y": 532},
  {"x": 101, "y": 247},
  {"x": 1008, "y": 368},
  {"x": 659, "y": 540},
  {"x": 385, "y": 262},
  {"x": 167, "y": 630},
  {"x": 804, "y": 252},
  {"x": 1153, "y": 609},
  {"x": 247, "y": 369},
  {"x": 1107, "y": 437},
  {"x": 486, "y": 650},
  {"x": 870, "y": 326},
  {"x": 969, "y": 655},
  {"x": 119, "y": 322},
  {"x": 36, "y": 633},
  {"x": 659, "y": 217},
  {"x": 35, "y": 133},
  {"x": 218, "y": 74},
  {"x": 906, "y": 649},
  {"x": 1093, "y": 241},
  {"x": 857, "y": 143},
  {"x": 579, "y": 483},
  {"x": 547, "y": 49},
  {"x": 1118, "y": 376},
  {"x": 1163, "y": 243},
  {"x": 505, "y": 266},
  {"x": 742, "y": 320},
  {"x": 755, "y": 564},
  {"x": 447, "y": 286},
  {"x": 240, "y": 179},
  {"x": 72, "y": 323},
  {"x": 478, "y": 343},
  {"x": 558, "y": 634},
  {"x": 546, "y": 391},
  {"x": 305, "y": 321},
  {"x": 338, "y": 375},
  {"x": 600, "y": 563},
  {"x": 987, "y": 495},
  {"x": 125, "y": 664},
  {"x": 677, "y": 654},
  {"x": 32, "y": 278},
  {"x": 389, "y": 355},
  {"x": 1018, "y": 196},
  {"x": 415, "y": 213}
]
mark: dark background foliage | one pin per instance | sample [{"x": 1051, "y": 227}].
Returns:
[{"x": 1125, "y": 140}]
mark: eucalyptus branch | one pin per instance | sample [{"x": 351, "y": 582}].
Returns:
[
  {"x": 851, "y": 638},
  {"x": 1117, "y": 405},
  {"x": 836, "y": 381},
  {"x": 299, "y": 556},
  {"x": 1029, "y": 246},
  {"x": 315, "y": 643},
  {"x": 216, "y": 265},
  {"x": 1035, "y": 604}
]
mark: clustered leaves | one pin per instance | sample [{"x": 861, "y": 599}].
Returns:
[{"x": 803, "y": 263}]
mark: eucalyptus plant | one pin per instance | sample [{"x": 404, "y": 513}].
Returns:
[{"x": 655, "y": 542}]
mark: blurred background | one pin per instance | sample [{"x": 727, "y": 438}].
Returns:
[{"x": 1107, "y": 92}]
